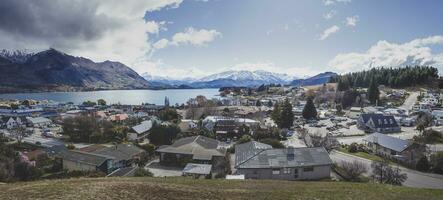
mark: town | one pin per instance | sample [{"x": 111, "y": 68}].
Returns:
[{"x": 332, "y": 131}]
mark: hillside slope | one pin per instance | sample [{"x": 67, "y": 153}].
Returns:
[
  {"x": 54, "y": 70},
  {"x": 188, "y": 188}
]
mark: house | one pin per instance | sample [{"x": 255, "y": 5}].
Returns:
[
  {"x": 197, "y": 170},
  {"x": 124, "y": 155},
  {"x": 186, "y": 125},
  {"x": 38, "y": 121},
  {"x": 378, "y": 123},
  {"x": 438, "y": 117},
  {"x": 256, "y": 160},
  {"x": 82, "y": 161},
  {"x": 118, "y": 117},
  {"x": 354, "y": 112},
  {"x": 195, "y": 149},
  {"x": 14, "y": 122},
  {"x": 140, "y": 131},
  {"x": 393, "y": 148}
]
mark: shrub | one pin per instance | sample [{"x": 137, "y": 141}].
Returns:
[
  {"x": 142, "y": 172},
  {"x": 423, "y": 164},
  {"x": 273, "y": 142},
  {"x": 353, "y": 148}
]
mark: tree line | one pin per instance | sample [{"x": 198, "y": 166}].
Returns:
[{"x": 392, "y": 77}]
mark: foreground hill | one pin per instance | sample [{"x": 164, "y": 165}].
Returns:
[
  {"x": 53, "y": 70},
  {"x": 188, "y": 188}
]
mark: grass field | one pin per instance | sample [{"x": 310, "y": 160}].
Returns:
[{"x": 188, "y": 188}]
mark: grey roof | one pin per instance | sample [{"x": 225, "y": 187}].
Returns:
[
  {"x": 202, "y": 148},
  {"x": 120, "y": 151},
  {"x": 38, "y": 120},
  {"x": 143, "y": 127},
  {"x": 278, "y": 158},
  {"x": 192, "y": 168},
  {"x": 380, "y": 120},
  {"x": 83, "y": 157},
  {"x": 387, "y": 141}
]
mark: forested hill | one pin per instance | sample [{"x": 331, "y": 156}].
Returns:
[{"x": 392, "y": 77}]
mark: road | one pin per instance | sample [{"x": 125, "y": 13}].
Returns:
[
  {"x": 415, "y": 178},
  {"x": 410, "y": 101}
]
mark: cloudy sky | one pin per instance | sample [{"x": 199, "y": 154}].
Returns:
[{"x": 193, "y": 38}]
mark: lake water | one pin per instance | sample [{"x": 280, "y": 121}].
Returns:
[{"x": 129, "y": 97}]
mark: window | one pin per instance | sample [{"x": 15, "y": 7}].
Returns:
[
  {"x": 295, "y": 173},
  {"x": 276, "y": 171},
  {"x": 308, "y": 169},
  {"x": 286, "y": 170}
]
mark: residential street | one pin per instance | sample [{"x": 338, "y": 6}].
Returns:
[
  {"x": 415, "y": 178},
  {"x": 410, "y": 101}
]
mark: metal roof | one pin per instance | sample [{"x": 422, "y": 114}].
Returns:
[
  {"x": 143, "y": 127},
  {"x": 202, "y": 148},
  {"x": 192, "y": 168},
  {"x": 387, "y": 141},
  {"x": 251, "y": 155},
  {"x": 83, "y": 157},
  {"x": 120, "y": 151},
  {"x": 380, "y": 120}
]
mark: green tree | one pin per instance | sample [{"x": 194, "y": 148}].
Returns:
[
  {"x": 423, "y": 164},
  {"x": 89, "y": 103},
  {"x": 244, "y": 139},
  {"x": 309, "y": 111},
  {"x": 286, "y": 115},
  {"x": 101, "y": 102},
  {"x": 437, "y": 162},
  {"x": 273, "y": 142},
  {"x": 275, "y": 115},
  {"x": 373, "y": 92}
]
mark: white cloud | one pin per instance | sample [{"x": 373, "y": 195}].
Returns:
[
  {"x": 331, "y": 2},
  {"x": 195, "y": 37},
  {"x": 383, "y": 53},
  {"x": 329, "y": 31},
  {"x": 352, "y": 21},
  {"x": 190, "y": 36},
  {"x": 330, "y": 14}
]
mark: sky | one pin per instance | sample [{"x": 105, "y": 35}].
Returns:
[{"x": 194, "y": 38}]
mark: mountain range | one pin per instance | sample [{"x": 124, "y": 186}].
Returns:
[
  {"x": 52, "y": 70},
  {"x": 241, "y": 78}
]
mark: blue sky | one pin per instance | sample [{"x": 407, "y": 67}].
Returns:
[
  {"x": 193, "y": 38},
  {"x": 285, "y": 34}
]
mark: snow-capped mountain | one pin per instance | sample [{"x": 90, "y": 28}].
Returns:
[
  {"x": 224, "y": 79},
  {"x": 16, "y": 56},
  {"x": 244, "y": 75},
  {"x": 167, "y": 80}
]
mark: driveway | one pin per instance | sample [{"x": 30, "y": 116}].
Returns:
[
  {"x": 410, "y": 101},
  {"x": 162, "y": 171},
  {"x": 415, "y": 178}
]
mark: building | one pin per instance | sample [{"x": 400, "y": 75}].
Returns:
[
  {"x": 83, "y": 161},
  {"x": 197, "y": 170},
  {"x": 256, "y": 160},
  {"x": 124, "y": 155},
  {"x": 195, "y": 149},
  {"x": 354, "y": 112},
  {"x": 393, "y": 148},
  {"x": 38, "y": 121},
  {"x": 378, "y": 123},
  {"x": 438, "y": 117},
  {"x": 140, "y": 131}
]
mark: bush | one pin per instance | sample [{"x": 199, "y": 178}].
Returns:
[
  {"x": 142, "y": 172},
  {"x": 352, "y": 170},
  {"x": 244, "y": 139},
  {"x": 423, "y": 164},
  {"x": 273, "y": 142},
  {"x": 70, "y": 146},
  {"x": 437, "y": 162},
  {"x": 353, "y": 148}
]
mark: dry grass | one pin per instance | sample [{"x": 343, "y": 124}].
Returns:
[{"x": 187, "y": 188}]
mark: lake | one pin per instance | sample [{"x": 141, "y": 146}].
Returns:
[{"x": 129, "y": 97}]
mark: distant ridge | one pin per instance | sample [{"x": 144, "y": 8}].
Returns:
[{"x": 52, "y": 70}]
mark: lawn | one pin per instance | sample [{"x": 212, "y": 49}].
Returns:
[
  {"x": 364, "y": 155},
  {"x": 188, "y": 188}
]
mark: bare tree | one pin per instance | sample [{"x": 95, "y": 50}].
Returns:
[
  {"x": 18, "y": 133},
  {"x": 353, "y": 170},
  {"x": 382, "y": 172}
]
